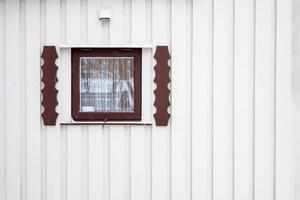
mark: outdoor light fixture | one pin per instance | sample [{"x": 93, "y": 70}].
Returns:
[{"x": 104, "y": 14}]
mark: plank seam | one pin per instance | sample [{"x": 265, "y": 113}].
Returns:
[
  {"x": 275, "y": 96},
  {"x": 254, "y": 97},
  {"x": 213, "y": 97},
  {"x": 23, "y": 103},
  {"x": 5, "y": 103},
  {"x": 233, "y": 98}
]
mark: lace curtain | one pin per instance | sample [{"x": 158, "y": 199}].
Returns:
[{"x": 107, "y": 84}]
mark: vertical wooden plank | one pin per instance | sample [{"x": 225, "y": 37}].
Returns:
[
  {"x": 64, "y": 97},
  {"x": 43, "y": 129},
  {"x": 119, "y": 145},
  {"x": 296, "y": 129},
  {"x": 84, "y": 21},
  {"x": 52, "y": 134},
  {"x": 202, "y": 100},
  {"x": 106, "y": 162},
  {"x": 119, "y": 178},
  {"x": 13, "y": 109},
  {"x": 74, "y": 163},
  {"x": 97, "y": 135},
  {"x": 139, "y": 153},
  {"x": 116, "y": 22},
  {"x": 64, "y": 162},
  {"x": 85, "y": 129},
  {"x": 138, "y": 163},
  {"x": 96, "y": 163},
  {"x": 140, "y": 159},
  {"x": 264, "y": 99},
  {"x": 243, "y": 99},
  {"x": 140, "y": 141},
  {"x": 285, "y": 184},
  {"x": 23, "y": 103},
  {"x": 33, "y": 125},
  {"x": 188, "y": 98},
  {"x": 2, "y": 103},
  {"x": 148, "y": 22},
  {"x": 73, "y": 22},
  {"x": 52, "y": 22},
  {"x": 296, "y": 93},
  {"x": 139, "y": 12},
  {"x": 85, "y": 162},
  {"x": 93, "y": 24},
  {"x": 223, "y": 100},
  {"x": 74, "y": 134},
  {"x": 161, "y": 148},
  {"x": 179, "y": 101},
  {"x": 64, "y": 84},
  {"x": 138, "y": 19},
  {"x": 127, "y": 21}
]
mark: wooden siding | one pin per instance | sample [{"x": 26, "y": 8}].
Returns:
[{"x": 232, "y": 127}]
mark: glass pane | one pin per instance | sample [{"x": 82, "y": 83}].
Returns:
[{"x": 107, "y": 84}]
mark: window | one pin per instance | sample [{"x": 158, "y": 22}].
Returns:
[{"x": 106, "y": 84}]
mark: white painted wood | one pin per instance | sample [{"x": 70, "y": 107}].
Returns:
[
  {"x": 12, "y": 99},
  {"x": 64, "y": 162},
  {"x": 96, "y": 163},
  {"x": 145, "y": 46},
  {"x": 93, "y": 24},
  {"x": 85, "y": 130},
  {"x": 33, "y": 119},
  {"x": 188, "y": 98},
  {"x": 85, "y": 162},
  {"x": 52, "y": 134},
  {"x": 138, "y": 157},
  {"x": 202, "y": 100},
  {"x": 64, "y": 84},
  {"x": 119, "y": 138},
  {"x": 161, "y": 146},
  {"x": 295, "y": 96},
  {"x": 223, "y": 100},
  {"x": 127, "y": 21},
  {"x": 74, "y": 163},
  {"x": 231, "y": 78},
  {"x": 75, "y": 148},
  {"x": 116, "y": 26},
  {"x": 73, "y": 14},
  {"x": 147, "y": 80},
  {"x": 179, "y": 101},
  {"x": 139, "y": 151},
  {"x": 243, "y": 99},
  {"x": 264, "y": 100},
  {"x": 138, "y": 21},
  {"x": 119, "y": 175},
  {"x": 285, "y": 184},
  {"x": 2, "y": 103},
  {"x": 296, "y": 129},
  {"x": 23, "y": 104},
  {"x": 98, "y": 159},
  {"x": 43, "y": 130},
  {"x": 84, "y": 21},
  {"x": 106, "y": 162}
]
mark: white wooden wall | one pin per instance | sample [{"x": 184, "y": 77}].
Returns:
[{"x": 232, "y": 131}]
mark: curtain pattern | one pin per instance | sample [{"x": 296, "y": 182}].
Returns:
[{"x": 107, "y": 84}]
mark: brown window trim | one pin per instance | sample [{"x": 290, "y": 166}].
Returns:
[{"x": 76, "y": 53}]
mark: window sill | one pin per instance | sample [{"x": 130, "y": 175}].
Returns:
[{"x": 107, "y": 123}]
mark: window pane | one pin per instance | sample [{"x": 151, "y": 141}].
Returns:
[{"x": 107, "y": 84}]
